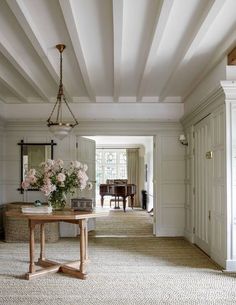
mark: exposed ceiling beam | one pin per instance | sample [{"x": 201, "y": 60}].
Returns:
[
  {"x": 154, "y": 43},
  {"x": 2, "y": 99},
  {"x": 14, "y": 58},
  {"x": 72, "y": 26},
  {"x": 12, "y": 85},
  {"x": 26, "y": 22},
  {"x": 188, "y": 48},
  {"x": 118, "y": 7}
]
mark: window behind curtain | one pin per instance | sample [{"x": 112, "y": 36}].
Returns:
[{"x": 110, "y": 164}]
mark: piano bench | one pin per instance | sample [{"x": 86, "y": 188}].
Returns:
[{"x": 116, "y": 200}]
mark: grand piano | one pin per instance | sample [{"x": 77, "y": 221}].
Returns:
[{"x": 118, "y": 188}]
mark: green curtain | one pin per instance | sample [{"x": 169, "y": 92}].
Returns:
[{"x": 133, "y": 171}]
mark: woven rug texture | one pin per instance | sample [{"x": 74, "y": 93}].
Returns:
[
  {"x": 141, "y": 270},
  {"x": 134, "y": 222}
]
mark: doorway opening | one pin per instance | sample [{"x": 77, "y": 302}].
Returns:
[{"x": 112, "y": 163}]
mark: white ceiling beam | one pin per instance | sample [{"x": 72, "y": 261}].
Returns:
[
  {"x": 14, "y": 58},
  {"x": 118, "y": 7},
  {"x": 187, "y": 50},
  {"x": 26, "y": 22},
  {"x": 4, "y": 100},
  {"x": 154, "y": 43},
  {"x": 12, "y": 85},
  {"x": 72, "y": 26}
]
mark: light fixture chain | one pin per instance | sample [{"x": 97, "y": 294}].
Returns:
[
  {"x": 59, "y": 127},
  {"x": 76, "y": 122}
]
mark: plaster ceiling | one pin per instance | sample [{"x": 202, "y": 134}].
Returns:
[{"x": 118, "y": 53}]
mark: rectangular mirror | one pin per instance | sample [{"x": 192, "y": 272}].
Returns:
[{"x": 32, "y": 155}]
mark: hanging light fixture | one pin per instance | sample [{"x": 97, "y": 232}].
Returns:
[{"x": 56, "y": 123}]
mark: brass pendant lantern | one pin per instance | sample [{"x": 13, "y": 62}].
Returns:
[{"x": 58, "y": 125}]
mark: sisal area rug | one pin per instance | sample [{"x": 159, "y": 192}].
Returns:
[
  {"x": 129, "y": 270},
  {"x": 134, "y": 222}
]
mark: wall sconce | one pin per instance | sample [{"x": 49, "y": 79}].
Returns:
[{"x": 183, "y": 139}]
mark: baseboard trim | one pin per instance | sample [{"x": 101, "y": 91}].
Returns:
[
  {"x": 189, "y": 236},
  {"x": 169, "y": 232},
  {"x": 230, "y": 266}
]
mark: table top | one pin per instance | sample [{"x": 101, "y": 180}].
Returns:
[{"x": 66, "y": 214}]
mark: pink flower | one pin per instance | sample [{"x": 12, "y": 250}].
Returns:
[
  {"x": 25, "y": 184},
  {"x": 82, "y": 176},
  {"x": 47, "y": 189},
  {"x": 82, "y": 185},
  {"x": 75, "y": 164},
  {"x": 61, "y": 177},
  {"x": 31, "y": 172},
  {"x": 59, "y": 162},
  {"x": 53, "y": 177},
  {"x": 32, "y": 179}
]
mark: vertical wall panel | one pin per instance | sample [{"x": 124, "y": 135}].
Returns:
[
  {"x": 218, "y": 210},
  {"x": 2, "y": 145},
  {"x": 170, "y": 212},
  {"x": 203, "y": 176}
]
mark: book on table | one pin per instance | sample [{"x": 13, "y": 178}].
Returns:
[{"x": 36, "y": 210}]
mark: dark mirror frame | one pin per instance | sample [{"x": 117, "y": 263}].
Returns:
[{"x": 22, "y": 144}]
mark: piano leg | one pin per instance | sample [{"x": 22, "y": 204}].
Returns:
[
  {"x": 102, "y": 200},
  {"x": 124, "y": 203},
  {"x": 132, "y": 201}
]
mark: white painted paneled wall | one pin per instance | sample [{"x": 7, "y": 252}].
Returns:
[
  {"x": 170, "y": 211},
  {"x": 203, "y": 184},
  {"x": 189, "y": 185},
  {"x": 85, "y": 153},
  {"x": 219, "y": 201},
  {"x": 230, "y": 207},
  {"x": 215, "y": 98},
  {"x": 206, "y": 184},
  {"x": 169, "y": 168},
  {"x": 2, "y": 141}
]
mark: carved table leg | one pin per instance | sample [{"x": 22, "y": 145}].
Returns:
[
  {"x": 86, "y": 238},
  {"x": 31, "y": 246},
  {"x": 42, "y": 241},
  {"x": 82, "y": 244}
]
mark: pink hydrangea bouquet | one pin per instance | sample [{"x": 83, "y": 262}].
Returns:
[{"x": 56, "y": 182}]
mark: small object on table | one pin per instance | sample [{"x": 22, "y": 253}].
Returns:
[
  {"x": 82, "y": 204},
  {"x": 36, "y": 210},
  {"x": 37, "y": 203}
]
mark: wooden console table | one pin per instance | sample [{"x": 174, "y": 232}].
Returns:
[{"x": 50, "y": 266}]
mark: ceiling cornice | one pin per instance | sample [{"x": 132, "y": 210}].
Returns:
[{"x": 207, "y": 104}]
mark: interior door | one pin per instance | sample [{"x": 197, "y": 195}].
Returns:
[
  {"x": 86, "y": 153},
  {"x": 203, "y": 180}
]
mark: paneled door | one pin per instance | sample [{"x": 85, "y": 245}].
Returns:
[
  {"x": 85, "y": 153},
  {"x": 203, "y": 180}
]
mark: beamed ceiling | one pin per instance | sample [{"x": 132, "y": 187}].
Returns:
[{"x": 117, "y": 52}]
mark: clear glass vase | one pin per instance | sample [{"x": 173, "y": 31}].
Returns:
[{"x": 57, "y": 201}]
